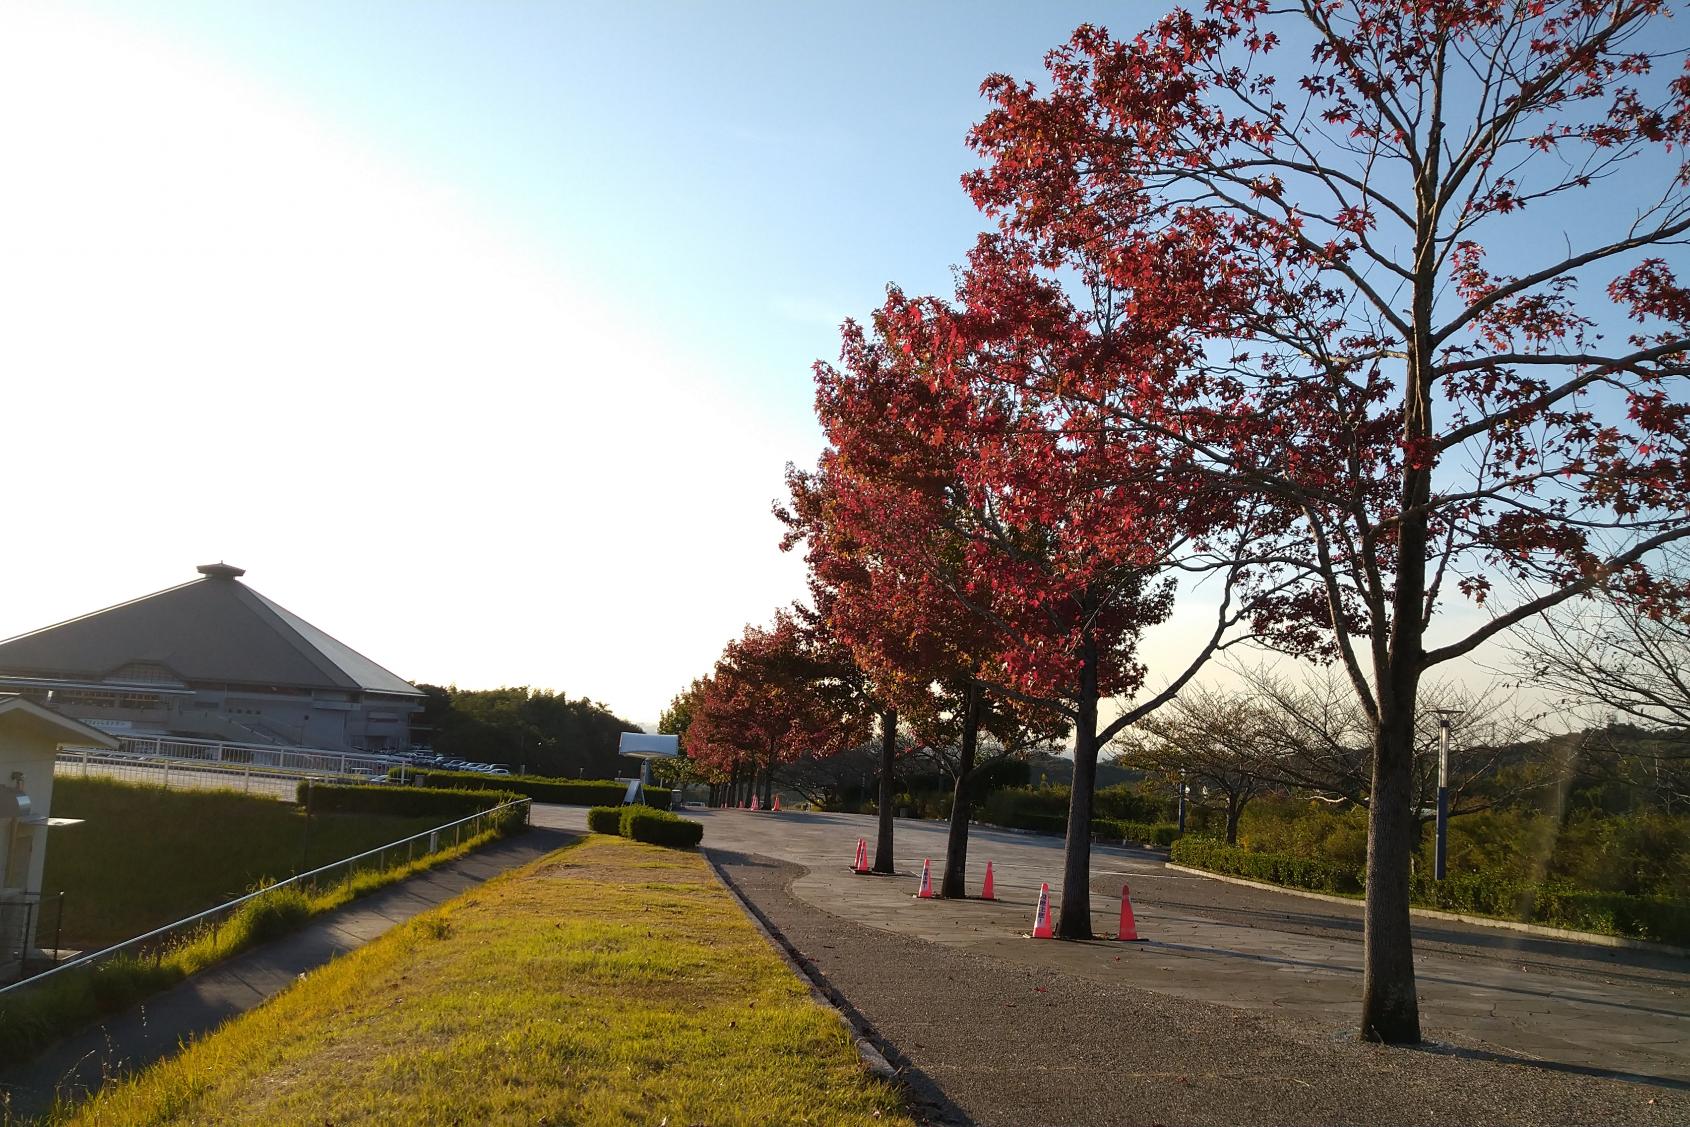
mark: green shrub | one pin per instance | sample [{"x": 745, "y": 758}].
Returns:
[
  {"x": 566, "y": 792},
  {"x": 1123, "y": 802},
  {"x": 1557, "y": 904},
  {"x": 1027, "y": 808},
  {"x": 1274, "y": 868},
  {"x": 659, "y": 827},
  {"x": 1158, "y": 834},
  {"x": 362, "y": 798},
  {"x": 1314, "y": 831},
  {"x": 605, "y": 819},
  {"x": 1663, "y": 919}
]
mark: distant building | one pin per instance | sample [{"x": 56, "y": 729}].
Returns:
[{"x": 212, "y": 659}]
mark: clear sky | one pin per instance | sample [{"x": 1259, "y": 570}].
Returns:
[{"x": 479, "y": 333}]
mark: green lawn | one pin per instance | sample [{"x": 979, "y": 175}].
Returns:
[
  {"x": 608, "y": 983},
  {"x": 147, "y": 856}
]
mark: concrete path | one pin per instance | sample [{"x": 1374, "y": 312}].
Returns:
[
  {"x": 156, "y": 1027},
  {"x": 1568, "y": 1006}
]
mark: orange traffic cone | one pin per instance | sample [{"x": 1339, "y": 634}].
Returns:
[
  {"x": 776, "y": 806},
  {"x": 860, "y": 866},
  {"x": 1041, "y": 915},
  {"x": 926, "y": 892},
  {"x": 987, "y": 890},
  {"x": 1129, "y": 929}
]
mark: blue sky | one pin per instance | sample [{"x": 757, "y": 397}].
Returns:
[
  {"x": 479, "y": 333},
  {"x": 744, "y": 174}
]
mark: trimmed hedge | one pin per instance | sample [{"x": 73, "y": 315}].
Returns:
[
  {"x": 1158, "y": 834},
  {"x": 659, "y": 827},
  {"x": 361, "y": 798},
  {"x": 605, "y": 819},
  {"x": 567, "y": 792},
  {"x": 1026, "y": 808},
  {"x": 1275, "y": 868},
  {"x": 1659, "y": 918}
]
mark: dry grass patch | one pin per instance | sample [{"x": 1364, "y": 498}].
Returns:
[{"x": 609, "y": 983}]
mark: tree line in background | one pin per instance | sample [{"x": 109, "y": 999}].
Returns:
[
  {"x": 534, "y": 730},
  {"x": 1265, "y": 332}
]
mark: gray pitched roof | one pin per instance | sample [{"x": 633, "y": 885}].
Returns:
[{"x": 215, "y": 629}]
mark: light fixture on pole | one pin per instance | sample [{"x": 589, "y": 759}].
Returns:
[{"x": 1445, "y": 717}]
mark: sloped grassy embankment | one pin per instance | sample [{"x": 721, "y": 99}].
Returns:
[{"x": 610, "y": 982}]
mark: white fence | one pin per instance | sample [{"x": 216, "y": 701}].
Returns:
[{"x": 295, "y": 761}]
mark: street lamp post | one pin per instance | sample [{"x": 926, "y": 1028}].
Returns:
[
  {"x": 1439, "y": 856},
  {"x": 1182, "y": 802}
]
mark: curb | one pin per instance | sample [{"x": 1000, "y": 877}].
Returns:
[
  {"x": 873, "y": 1059},
  {"x": 1593, "y": 938}
]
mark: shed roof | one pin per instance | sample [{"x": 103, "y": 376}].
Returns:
[
  {"x": 21, "y": 715},
  {"x": 213, "y": 629}
]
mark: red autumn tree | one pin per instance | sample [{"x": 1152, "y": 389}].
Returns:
[
  {"x": 846, "y": 608},
  {"x": 775, "y": 694},
  {"x": 882, "y": 568},
  {"x": 1415, "y": 267},
  {"x": 1001, "y": 527}
]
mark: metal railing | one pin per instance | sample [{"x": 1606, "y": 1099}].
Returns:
[
  {"x": 301, "y": 760},
  {"x": 154, "y": 944},
  {"x": 87, "y": 762}
]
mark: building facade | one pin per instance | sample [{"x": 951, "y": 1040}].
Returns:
[{"x": 212, "y": 659}]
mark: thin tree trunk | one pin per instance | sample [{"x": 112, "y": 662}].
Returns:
[
  {"x": 1390, "y": 1011},
  {"x": 1234, "y": 808},
  {"x": 1075, "y": 919},
  {"x": 888, "y": 785},
  {"x": 955, "y": 883}
]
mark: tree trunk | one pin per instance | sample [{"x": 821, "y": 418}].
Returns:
[
  {"x": 1075, "y": 919},
  {"x": 955, "y": 883},
  {"x": 1390, "y": 1011},
  {"x": 1234, "y": 808},
  {"x": 888, "y": 789}
]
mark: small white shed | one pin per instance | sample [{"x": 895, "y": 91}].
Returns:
[{"x": 30, "y": 739}]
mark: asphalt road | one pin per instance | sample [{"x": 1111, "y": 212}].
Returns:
[
  {"x": 1565, "y": 1006},
  {"x": 1003, "y": 1042}
]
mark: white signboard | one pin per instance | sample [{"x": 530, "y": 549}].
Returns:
[{"x": 648, "y": 746}]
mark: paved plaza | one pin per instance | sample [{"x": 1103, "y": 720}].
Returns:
[{"x": 1485, "y": 991}]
